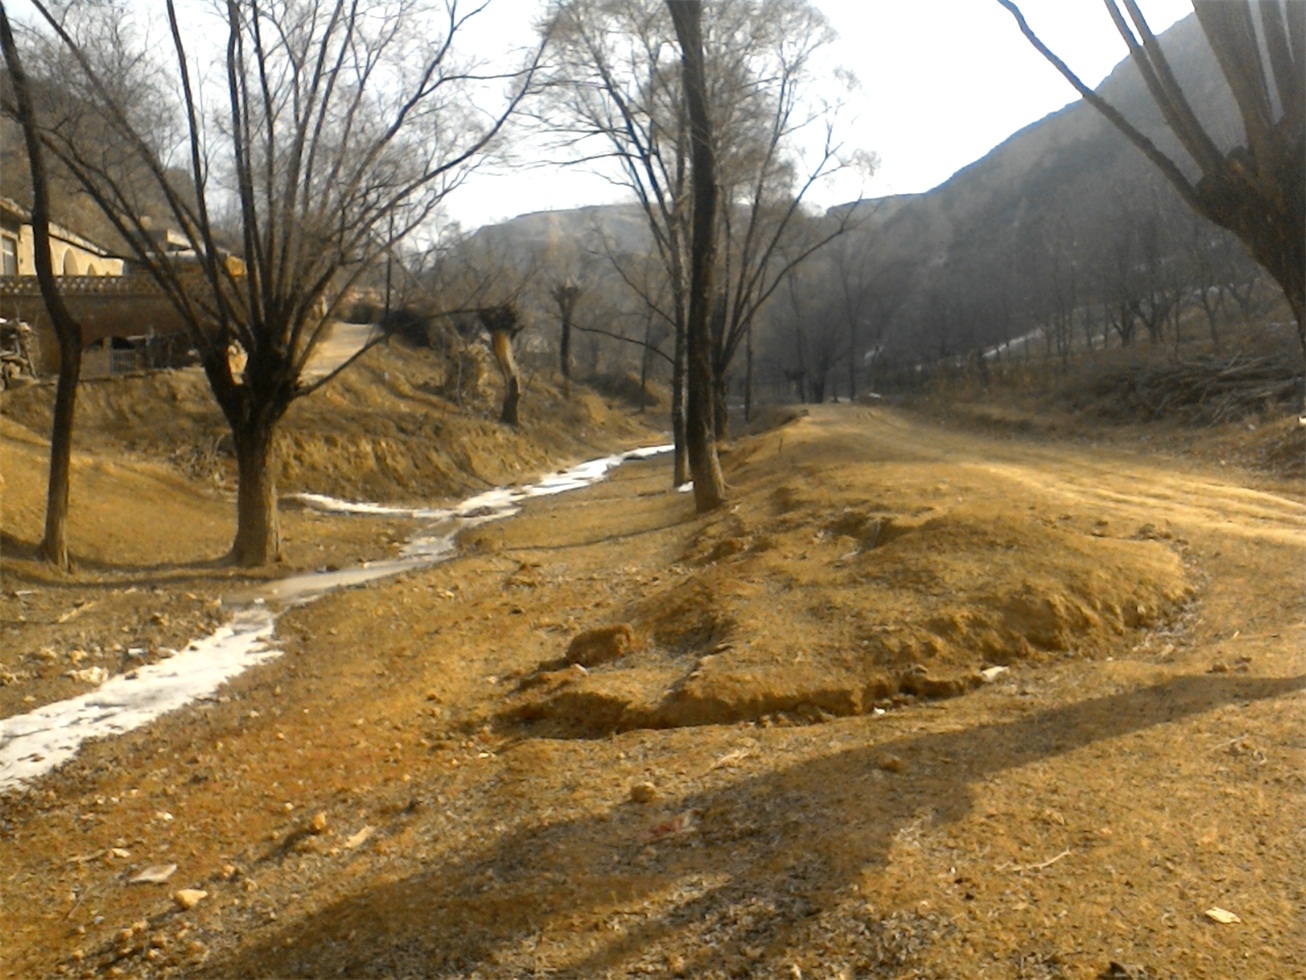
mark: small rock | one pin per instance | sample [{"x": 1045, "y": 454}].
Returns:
[
  {"x": 188, "y": 898},
  {"x": 318, "y": 824},
  {"x": 1121, "y": 971},
  {"x": 643, "y": 793},
  {"x": 1219, "y": 667},
  {"x": 360, "y": 837},
  {"x": 89, "y": 675},
  {"x": 1222, "y": 916},
  {"x": 153, "y": 875},
  {"x": 892, "y": 763}
]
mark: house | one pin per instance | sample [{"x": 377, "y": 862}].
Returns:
[{"x": 127, "y": 322}]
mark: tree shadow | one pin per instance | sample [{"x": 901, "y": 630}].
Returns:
[
  {"x": 752, "y": 879},
  {"x": 24, "y": 567}
]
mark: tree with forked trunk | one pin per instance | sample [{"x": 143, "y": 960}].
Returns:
[
  {"x": 565, "y": 294},
  {"x": 327, "y": 133}
]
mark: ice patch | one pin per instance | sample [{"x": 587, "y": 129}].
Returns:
[{"x": 32, "y": 744}]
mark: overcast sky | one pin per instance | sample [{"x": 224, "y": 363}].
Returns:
[{"x": 942, "y": 83}]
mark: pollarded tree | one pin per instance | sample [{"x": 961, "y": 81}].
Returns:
[
  {"x": 1257, "y": 190},
  {"x": 325, "y": 134},
  {"x": 503, "y": 324}
]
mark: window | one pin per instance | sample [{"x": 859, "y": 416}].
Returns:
[{"x": 8, "y": 256}]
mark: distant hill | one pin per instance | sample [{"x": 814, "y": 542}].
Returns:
[
  {"x": 620, "y": 227},
  {"x": 983, "y": 229}
]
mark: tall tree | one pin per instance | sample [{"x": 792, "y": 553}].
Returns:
[
  {"x": 614, "y": 94},
  {"x": 700, "y": 436},
  {"x": 343, "y": 126},
  {"x": 1258, "y": 189},
  {"x": 67, "y": 330}
]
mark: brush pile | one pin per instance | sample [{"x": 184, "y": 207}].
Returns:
[{"x": 1207, "y": 391}]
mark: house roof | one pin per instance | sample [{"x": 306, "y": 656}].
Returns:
[{"x": 13, "y": 209}]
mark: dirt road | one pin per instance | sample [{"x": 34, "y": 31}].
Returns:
[{"x": 918, "y": 704}]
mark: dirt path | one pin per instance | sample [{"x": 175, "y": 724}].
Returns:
[
  {"x": 344, "y": 341},
  {"x": 812, "y": 762}
]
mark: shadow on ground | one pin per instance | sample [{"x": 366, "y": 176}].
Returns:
[{"x": 749, "y": 887}]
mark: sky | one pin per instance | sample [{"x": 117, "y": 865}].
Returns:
[{"x": 942, "y": 83}]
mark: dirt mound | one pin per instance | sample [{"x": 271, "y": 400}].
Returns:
[{"x": 806, "y": 601}]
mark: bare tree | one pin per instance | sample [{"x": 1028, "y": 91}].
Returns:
[
  {"x": 565, "y": 294},
  {"x": 503, "y": 324},
  {"x": 342, "y": 127},
  {"x": 613, "y": 94},
  {"x": 67, "y": 330},
  {"x": 1256, "y": 190},
  {"x": 700, "y": 437}
]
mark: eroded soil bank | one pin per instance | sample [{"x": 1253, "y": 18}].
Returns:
[{"x": 801, "y": 756}]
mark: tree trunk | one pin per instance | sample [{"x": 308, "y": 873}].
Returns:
[
  {"x": 720, "y": 406},
  {"x": 258, "y": 528},
  {"x": 54, "y": 545},
  {"x": 565, "y": 294},
  {"x": 700, "y": 437},
  {"x": 852, "y": 361},
  {"x": 681, "y": 463},
  {"x": 564, "y": 353},
  {"x": 645, "y": 357},
  {"x": 501, "y": 343},
  {"x": 748, "y": 373}
]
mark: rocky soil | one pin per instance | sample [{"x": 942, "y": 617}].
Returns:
[{"x": 919, "y": 703}]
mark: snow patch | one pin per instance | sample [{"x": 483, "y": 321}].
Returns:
[{"x": 32, "y": 744}]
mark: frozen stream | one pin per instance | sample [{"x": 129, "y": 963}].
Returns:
[{"x": 34, "y": 743}]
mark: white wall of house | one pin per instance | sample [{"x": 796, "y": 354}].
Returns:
[{"x": 70, "y": 253}]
